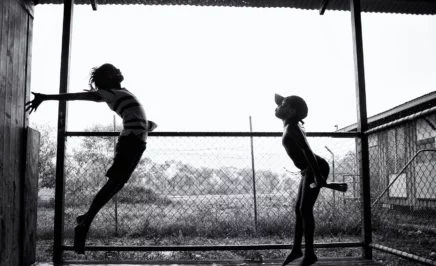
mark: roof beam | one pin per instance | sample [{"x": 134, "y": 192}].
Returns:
[
  {"x": 323, "y": 6},
  {"x": 94, "y": 5}
]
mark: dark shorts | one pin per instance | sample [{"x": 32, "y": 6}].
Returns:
[{"x": 128, "y": 152}]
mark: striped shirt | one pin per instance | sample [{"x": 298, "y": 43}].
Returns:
[{"x": 125, "y": 104}]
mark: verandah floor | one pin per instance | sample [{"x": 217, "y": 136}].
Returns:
[{"x": 321, "y": 262}]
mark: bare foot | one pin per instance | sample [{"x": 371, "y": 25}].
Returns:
[
  {"x": 295, "y": 254},
  {"x": 80, "y": 233},
  {"x": 309, "y": 259}
]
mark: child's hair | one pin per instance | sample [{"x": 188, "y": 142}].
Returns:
[
  {"x": 105, "y": 76},
  {"x": 300, "y": 105}
]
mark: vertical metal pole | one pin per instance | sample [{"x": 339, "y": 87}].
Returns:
[
  {"x": 254, "y": 175},
  {"x": 343, "y": 194},
  {"x": 62, "y": 117},
  {"x": 362, "y": 126},
  {"x": 333, "y": 176},
  {"x": 115, "y": 196}
]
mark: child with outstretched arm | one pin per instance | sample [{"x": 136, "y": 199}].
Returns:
[
  {"x": 314, "y": 171},
  {"x": 105, "y": 83}
]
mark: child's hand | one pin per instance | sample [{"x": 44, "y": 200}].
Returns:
[
  {"x": 319, "y": 183},
  {"x": 151, "y": 125},
  {"x": 313, "y": 185},
  {"x": 33, "y": 105}
]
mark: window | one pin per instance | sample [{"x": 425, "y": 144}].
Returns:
[
  {"x": 399, "y": 188},
  {"x": 372, "y": 140},
  {"x": 395, "y": 162},
  {"x": 425, "y": 181},
  {"x": 424, "y": 129},
  {"x": 396, "y": 150},
  {"x": 425, "y": 168}
]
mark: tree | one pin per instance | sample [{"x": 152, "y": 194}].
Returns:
[
  {"x": 93, "y": 157},
  {"x": 47, "y": 156},
  {"x": 347, "y": 164}
]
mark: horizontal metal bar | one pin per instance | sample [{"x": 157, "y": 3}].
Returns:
[
  {"x": 209, "y": 248},
  {"x": 404, "y": 254},
  {"x": 212, "y": 134},
  {"x": 333, "y": 134}
]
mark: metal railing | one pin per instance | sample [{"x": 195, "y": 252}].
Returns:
[
  {"x": 225, "y": 207},
  {"x": 200, "y": 152}
]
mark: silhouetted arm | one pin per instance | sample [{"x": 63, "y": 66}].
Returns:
[
  {"x": 78, "y": 96},
  {"x": 301, "y": 140}
]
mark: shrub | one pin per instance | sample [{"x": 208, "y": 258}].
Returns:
[{"x": 136, "y": 194}]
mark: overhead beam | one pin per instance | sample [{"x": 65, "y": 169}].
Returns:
[
  {"x": 94, "y": 5},
  {"x": 362, "y": 126},
  {"x": 62, "y": 122},
  {"x": 323, "y": 7}
]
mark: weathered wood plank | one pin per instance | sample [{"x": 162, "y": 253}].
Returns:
[
  {"x": 13, "y": 153},
  {"x": 6, "y": 236},
  {"x": 28, "y": 64},
  {"x": 30, "y": 196},
  {"x": 3, "y": 185},
  {"x": 13, "y": 56}
]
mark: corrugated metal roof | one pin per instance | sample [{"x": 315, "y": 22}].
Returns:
[
  {"x": 422, "y": 7},
  {"x": 412, "y": 108}
]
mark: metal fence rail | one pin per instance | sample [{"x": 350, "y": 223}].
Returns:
[
  {"x": 191, "y": 184},
  {"x": 194, "y": 184}
]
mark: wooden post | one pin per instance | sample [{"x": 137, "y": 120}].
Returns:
[
  {"x": 30, "y": 196},
  {"x": 62, "y": 116},
  {"x": 362, "y": 126}
]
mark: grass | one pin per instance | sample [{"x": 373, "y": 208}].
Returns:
[
  {"x": 211, "y": 216},
  {"x": 225, "y": 219},
  {"x": 199, "y": 220}
]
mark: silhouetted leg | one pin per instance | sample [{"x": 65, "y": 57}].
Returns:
[
  {"x": 85, "y": 220},
  {"x": 101, "y": 198},
  {"x": 308, "y": 201},
  {"x": 298, "y": 232}
]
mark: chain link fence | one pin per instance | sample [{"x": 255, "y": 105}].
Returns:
[
  {"x": 403, "y": 187},
  {"x": 209, "y": 187},
  {"x": 222, "y": 187}
]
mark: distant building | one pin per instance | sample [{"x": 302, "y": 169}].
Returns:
[{"x": 395, "y": 137}]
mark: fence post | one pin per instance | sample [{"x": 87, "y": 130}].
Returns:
[
  {"x": 115, "y": 198},
  {"x": 333, "y": 176},
  {"x": 253, "y": 175}
]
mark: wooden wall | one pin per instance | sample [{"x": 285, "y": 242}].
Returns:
[{"x": 16, "y": 19}]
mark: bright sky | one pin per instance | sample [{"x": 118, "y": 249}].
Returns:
[{"x": 210, "y": 68}]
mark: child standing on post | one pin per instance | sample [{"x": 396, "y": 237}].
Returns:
[
  {"x": 314, "y": 171},
  {"x": 105, "y": 83}
]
